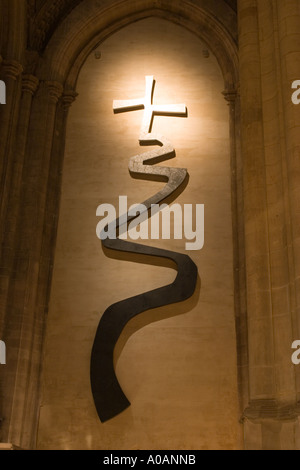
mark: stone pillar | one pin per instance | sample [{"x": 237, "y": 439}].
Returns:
[
  {"x": 271, "y": 417},
  {"x": 288, "y": 14},
  {"x": 261, "y": 374},
  {"x": 8, "y": 234},
  {"x": 288, "y": 50},
  {"x": 233, "y": 99},
  {"x": 10, "y": 72},
  {"x": 47, "y": 251},
  {"x": 8, "y": 230},
  {"x": 26, "y": 312},
  {"x": 53, "y": 196}
]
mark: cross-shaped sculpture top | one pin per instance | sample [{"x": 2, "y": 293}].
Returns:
[{"x": 150, "y": 109}]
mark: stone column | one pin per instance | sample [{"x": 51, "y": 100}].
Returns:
[
  {"x": 10, "y": 72},
  {"x": 8, "y": 230},
  {"x": 288, "y": 50},
  {"x": 260, "y": 336},
  {"x": 233, "y": 99},
  {"x": 8, "y": 234},
  {"x": 288, "y": 14},
  {"x": 274, "y": 88},
  {"x": 271, "y": 417},
  {"x": 53, "y": 196},
  {"x": 47, "y": 251},
  {"x": 53, "y": 199},
  {"x": 24, "y": 325}
]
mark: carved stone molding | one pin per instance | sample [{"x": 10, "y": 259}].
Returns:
[
  {"x": 68, "y": 98},
  {"x": 231, "y": 98},
  {"x": 12, "y": 69},
  {"x": 230, "y": 95},
  {"x": 55, "y": 90},
  {"x": 6, "y": 447},
  {"x": 46, "y": 20},
  {"x": 29, "y": 84},
  {"x": 270, "y": 409}
]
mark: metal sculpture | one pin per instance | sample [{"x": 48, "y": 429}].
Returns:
[{"x": 108, "y": 396}]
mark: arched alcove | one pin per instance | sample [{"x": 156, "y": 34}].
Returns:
[
  {"x": 91, "y": 23},
  {"x": 43, "y": 46},
  {"x": 163, "y": 355},
  {"x": 49, "y": 87}
]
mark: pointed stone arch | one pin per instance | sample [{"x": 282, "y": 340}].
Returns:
[{"x": 92, "y": 22}]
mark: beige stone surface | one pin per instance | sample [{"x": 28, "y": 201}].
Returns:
[
  {"x": 41, "y": 52},
  {"x": 6, "y": 447},
  {"x": 176, "y": 364}
]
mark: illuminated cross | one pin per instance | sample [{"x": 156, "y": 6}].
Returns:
[{"x": 150, "y": 109}]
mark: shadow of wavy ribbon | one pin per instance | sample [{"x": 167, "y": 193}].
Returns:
[{"x": 108, "y": 396}]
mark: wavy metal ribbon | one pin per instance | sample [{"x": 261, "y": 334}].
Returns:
[{"x": 108, "y": 396}]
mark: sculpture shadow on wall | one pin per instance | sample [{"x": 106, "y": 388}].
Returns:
[
  {"x": 156, "y": 315},
  {"x": 160, "y": 313},
  {"x": 109, "y": 397}
]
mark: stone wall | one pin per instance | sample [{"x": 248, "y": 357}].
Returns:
[
  {"x": 177, "y": 364},
  {"x": 41, "y": 54},
  {"x": 269, "y": 63},
  {"x": 41, "y": 87}
]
